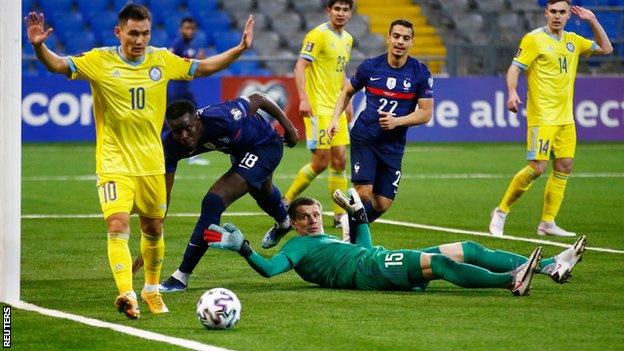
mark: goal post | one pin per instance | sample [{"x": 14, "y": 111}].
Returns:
[{"x": 10, "y": 148}]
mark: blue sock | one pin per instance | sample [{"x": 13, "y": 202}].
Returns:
[
  {"x": 273, "y": 205},
  {"x": 371, "y": 213},
  {"x": 211, "y": 210}
]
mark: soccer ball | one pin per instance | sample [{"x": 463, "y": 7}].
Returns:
[{"x": 218, "y": 308}]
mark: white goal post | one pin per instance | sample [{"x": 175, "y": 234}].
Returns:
[{"x": 10, "y": 148}]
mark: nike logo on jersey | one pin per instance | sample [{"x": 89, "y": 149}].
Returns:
[{"x": 372, "y": 79}]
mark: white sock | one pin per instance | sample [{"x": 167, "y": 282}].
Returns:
[
  {"x": 131, "y": 293},
  {"x": 285, "y": 223},
  {"x": 150, "y": 288},
  {"x": 181, "y": 276}
]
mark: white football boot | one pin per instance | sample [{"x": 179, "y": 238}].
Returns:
[
  {"x": 524, "y": 273},
  {"x": 561, "y": 270},
  {"x": 550, "y": 228},
  {"x": 497, "y": 223}
]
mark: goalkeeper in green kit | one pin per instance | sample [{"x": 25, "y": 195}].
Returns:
[{"x": 328, "y": 261}]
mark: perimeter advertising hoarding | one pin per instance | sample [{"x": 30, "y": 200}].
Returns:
[{"x": 466, "y": 109}]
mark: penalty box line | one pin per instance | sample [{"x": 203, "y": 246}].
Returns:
[
  {"x": 144, "y": 334},
  {"x": 382, "y": 221}
]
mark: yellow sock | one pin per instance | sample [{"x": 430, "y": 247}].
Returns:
[
  {"x": 153, "y": 252},
  {"x": 520, "y": 183},
  {"x": 337, "y": 180},
  {"x": 120, "y": 261},
  {"x": 553, "y": 195},
  {"x": 304, "y": 177}
]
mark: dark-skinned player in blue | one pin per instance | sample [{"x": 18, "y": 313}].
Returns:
[
  {"x": 234, "y": 128},
  {"x": 399, "y": 94}
]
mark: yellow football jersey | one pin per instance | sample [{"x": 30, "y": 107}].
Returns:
[
  {"x": 551, "y": 64},
  {"x": 129, "y": 102},
  {"x": 329, "y": 53}
]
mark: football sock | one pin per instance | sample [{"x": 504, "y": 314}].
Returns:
[
  {"x": 492, "y": 260},
  {"x": 553, "y": 195},
  {"x": 337, "y": 180},
  {"x": 150, "y": 288},
  {"x": 153, "y": 252},
  {"x": 304, "y": 177},
  {"x": 371, "y": 213},
  {"x": 545, "y": 263},
  {"x": 520, "y": 183},
  {"x": 273, "y": 206},
  {"x": 467, "y": 275},
  {"x": 181, "y": 276},
  {"x": 211, "y": 210},
  {"x": 120, "y": 260}
]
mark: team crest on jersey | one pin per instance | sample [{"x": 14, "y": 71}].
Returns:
[
  {"x": 236, "y": 114},
  {"x": 155, "y": 74},
  {"x": 430, "y": 82},
  {"x": 407, "y": 84},
  {"x": 391, "y": 82},
  {"x": 570, "y": 47},
  {"x": 309, "y": 46},
  {"x": 356, "y": 168}
]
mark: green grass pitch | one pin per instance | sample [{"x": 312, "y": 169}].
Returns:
[{"x": 64, "y": 265}]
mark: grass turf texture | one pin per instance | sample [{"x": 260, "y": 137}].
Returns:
[{"x": 64, "y": 263}]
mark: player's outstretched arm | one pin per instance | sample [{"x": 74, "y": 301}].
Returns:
[
  {"x": 229, "y": 237},
  {"x": 341, "y": 104},
  {"x": 265, "y": 103},
  {"x": 37, "y": 35},
  {"x": 604, "y": 44},
  {"x": 218, "y": 62}
]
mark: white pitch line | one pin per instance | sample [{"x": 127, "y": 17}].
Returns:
[
  {"x": 383, "y": 221},
  {"x": 144, "y": 334},
  {"x": 92, "y": 178}
]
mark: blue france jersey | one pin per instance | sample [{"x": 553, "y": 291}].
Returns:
[
  {"x": 394, "y": 90},
  {"x": 228, "y": 127}
]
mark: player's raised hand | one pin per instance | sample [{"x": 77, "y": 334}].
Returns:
[
  {"x": 583, "y": 13},
  {"x": 387, "y": 120},
  {"x": 513, "y": 101},
  {"x": 37, "y": 33},
  {"x": 228, "y": 238},
  {"x": 247, "y": 33}
]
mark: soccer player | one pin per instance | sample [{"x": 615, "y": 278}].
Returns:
[
  {"x": 323, "y": 259},
  {"x": 549, "y": 55},
  {"x": 319, "y": 76},
  {"x": 129, "y": 85},
  {"x": 183, "y": 46},
  {"x": 234, "y": 128},
  {"x": 399, "y": 94}
]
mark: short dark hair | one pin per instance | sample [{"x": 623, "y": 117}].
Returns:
[
  {"x": 331, "y": 3},
  {"x": 135, "y": 12},
  {"x": 188, "y": 19},
  {"x": 179, "y": 108},
  {"x": 301, "y": 201},
  {"x": 552, "y": 2},
  {"x": 401, "y": 22}
]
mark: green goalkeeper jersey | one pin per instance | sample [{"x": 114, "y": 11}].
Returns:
[{"x": 329, "y": 262}]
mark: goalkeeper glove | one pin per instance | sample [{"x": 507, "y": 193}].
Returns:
[
  {"x": 352, "y": 204},
  {"x": 228, "y": 238}
]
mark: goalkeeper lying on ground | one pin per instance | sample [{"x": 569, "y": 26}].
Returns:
[{"x": 326, "y": 260}]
